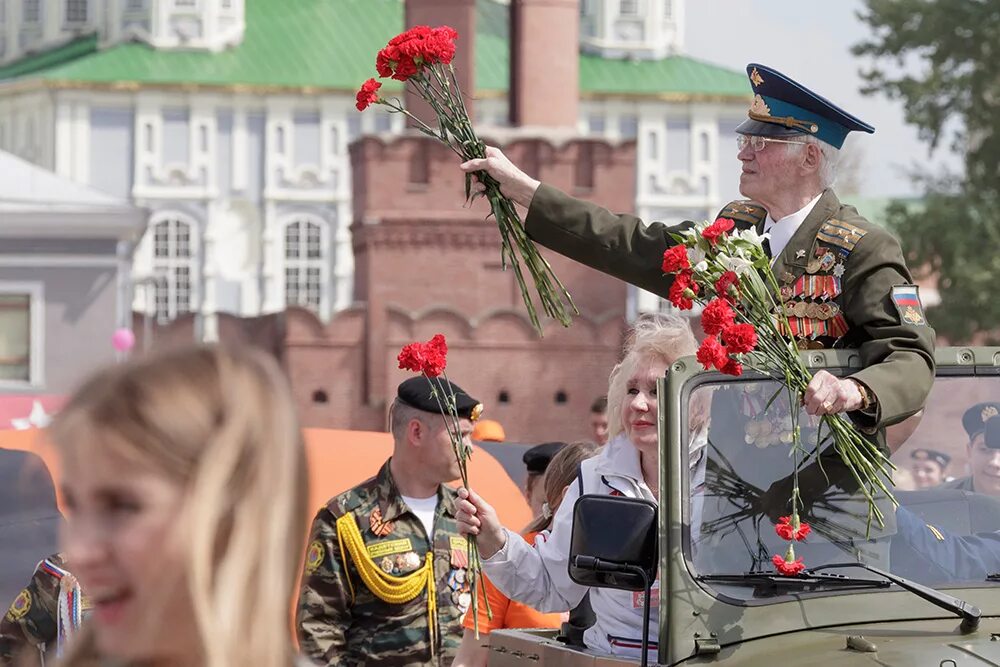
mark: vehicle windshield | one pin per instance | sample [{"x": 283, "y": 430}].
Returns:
[{"x": 740, "y": 483}]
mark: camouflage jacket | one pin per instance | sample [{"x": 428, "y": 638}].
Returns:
[
  {"x": 337, "y": 627},
  {"x": 30, "y": 627}
]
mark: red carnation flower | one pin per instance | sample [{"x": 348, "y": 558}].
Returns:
[
  {"x": 717, "y": 316},
  {"x": 789, "y": 568},
  {"x": 411, "y": 357},
  {"x": 726, "y": 281},
  {"x": 429, "y": 358},
  {"x": 717, "y": 229},
  {"x": 789, "y": 529},
  {"x": 683, "y": 291},
  {"x": 676, "y": 259},
  {"x": 731, "y": 367},
  {"x": 712, "y": 354},
  {"x": 368, "y": 94},
  {"x": 435, "y": 356},
  {"x": 740, "y": 338}
]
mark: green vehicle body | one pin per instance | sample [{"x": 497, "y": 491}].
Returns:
[{"x": 866, "y": 626}]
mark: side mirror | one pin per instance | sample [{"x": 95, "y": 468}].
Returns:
[{"x": 614, "y": 542}]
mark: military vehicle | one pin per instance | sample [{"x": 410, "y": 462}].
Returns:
[{"x": 921, "y": 590}]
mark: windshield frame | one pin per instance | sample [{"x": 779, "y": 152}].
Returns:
[{"x": 691, "y": 611}]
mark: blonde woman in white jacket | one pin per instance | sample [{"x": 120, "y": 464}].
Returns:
[{"x": 627, "y": 466}]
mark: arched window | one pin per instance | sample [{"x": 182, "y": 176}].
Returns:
[
  {"x": 174, "y": 262},
  {"x": 306, "y": 261}
]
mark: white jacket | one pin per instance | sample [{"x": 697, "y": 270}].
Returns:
[{"x": 539, "y": 577}]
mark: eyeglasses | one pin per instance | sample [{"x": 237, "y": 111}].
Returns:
[{"x": 758, "y": 142}]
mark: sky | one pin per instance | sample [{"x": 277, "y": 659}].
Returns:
[{"x": 810, "y": 41}]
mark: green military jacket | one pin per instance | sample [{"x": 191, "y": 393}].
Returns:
[
  {"x": 30, "y": 628},
  {"x": 337, "y": 627},
  {"x": 896, "y": 345}
]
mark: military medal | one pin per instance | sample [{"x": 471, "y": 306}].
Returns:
[{"x": 379, "y": 527}]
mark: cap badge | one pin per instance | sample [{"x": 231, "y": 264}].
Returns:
[
  {"x": 759, "y": 106},
  {"x": 755, "y": 78}
]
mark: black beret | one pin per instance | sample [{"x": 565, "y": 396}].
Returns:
[
  {"x": 992, "y": 433},
  {"x": 538, "y": 457},
  {"x": 417, "y": 393},
  {"x": 975, "y": 418},
  {"x": 940, "y": 458}
]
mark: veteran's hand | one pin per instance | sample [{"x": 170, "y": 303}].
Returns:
[
  {"x": 477, "y": 517},
  {"x": 828, "y": 395},
  {"x": 514, "y": 183}
]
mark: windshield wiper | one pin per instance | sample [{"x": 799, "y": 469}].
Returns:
[
  {"x": 767, "y": 584},
  {"x": 969, "y": 613}
]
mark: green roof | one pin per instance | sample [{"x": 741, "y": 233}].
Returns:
[{"x": 331, "y": 44}]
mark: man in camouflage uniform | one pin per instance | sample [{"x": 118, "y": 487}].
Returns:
[
  {"x": 30, "y": 631},
  {"x": 404, "y": 515}
]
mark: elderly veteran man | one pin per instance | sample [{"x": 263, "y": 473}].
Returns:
[
  {"x": 385, "y": 574},
  {"x": 982, "y": 424},
  {"x": 842, "y": 279}
]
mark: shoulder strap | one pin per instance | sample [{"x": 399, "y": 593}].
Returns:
[
  {"x": 841, "y": 234},
  {"x": 579, "y": 476},
  {"x": 744, "y": 210}
]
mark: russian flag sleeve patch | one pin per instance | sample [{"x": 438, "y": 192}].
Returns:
[{"x": 907, "y": 301}]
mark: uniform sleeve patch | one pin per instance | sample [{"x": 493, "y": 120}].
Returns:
[
  {"x": 21, "y": 606},
  {"x": 314, "y": 557},
  {"x": 907, "y": 301}
]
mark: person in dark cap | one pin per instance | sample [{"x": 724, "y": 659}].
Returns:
[
  {"x": 788, "y": 146},
  {"x": 537, "y": 460},
  {"x": 982, "y": 424},
  {"x": 927, "y": 467},
  {"x": 388, "y": 526}
]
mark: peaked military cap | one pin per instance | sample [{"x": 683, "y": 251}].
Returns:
[
  {"x": 975, "y": 418},
  {"x": 537, "y": 458},
  {"x": 939, "y": 458},
  {"x": 992, "y": 433},
  {"x": 417, "y": 393},
  {"x": 783, "y": 107}
]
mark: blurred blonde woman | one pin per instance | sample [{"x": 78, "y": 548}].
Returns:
[
  {"x": 558, "y": 477},
  {"x": 185, "y": 486}
]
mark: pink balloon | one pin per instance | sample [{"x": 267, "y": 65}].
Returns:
[{"x": 123, "y": 339}]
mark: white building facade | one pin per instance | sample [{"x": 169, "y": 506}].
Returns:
[{"x": 249, "y": 184}]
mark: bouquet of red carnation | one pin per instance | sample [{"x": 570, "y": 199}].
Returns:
[
  {"x": 430, "y": 359},
  {"x": 728, "y": 272},
  {"x": 421, "y": 57}
]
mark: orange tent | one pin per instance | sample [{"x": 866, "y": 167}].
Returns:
[{"x": 339, "y": 460}]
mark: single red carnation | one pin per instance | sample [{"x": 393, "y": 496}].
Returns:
[
  {"x": 435, "y": 356},
  {"x": 368, "y": 94},
  {"x": 711, "y": 353},
  {"x": 676, "y": 259},
  {"x": 740, "y": 338},
  {"x": 726, "y": 281},
  {"x": 718, "y": 315},
  {"x": 411, "y": 357},
  {"x": 683, "y": 290},
  {"x": 732, "y": 367},
  {"x": 717, "y": 229},
  {"x": 787, "y": 530},
  {"x": 787, "y": 567}
]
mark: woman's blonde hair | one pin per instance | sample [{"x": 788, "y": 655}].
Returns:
[
  {"x": 560, "y": 473},
  {"x": 654, "y": 336},
  {"x": 220, "y": 422}
]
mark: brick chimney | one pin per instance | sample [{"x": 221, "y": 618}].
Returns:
[
  {"x": 544, "y": 62},
  {"x": 460, "y": 15}
]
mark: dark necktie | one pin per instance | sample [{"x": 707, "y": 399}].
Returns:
[{"x": 766, "y": 245}]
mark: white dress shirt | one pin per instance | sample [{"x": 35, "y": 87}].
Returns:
[{"x": 782, "y": 230}]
